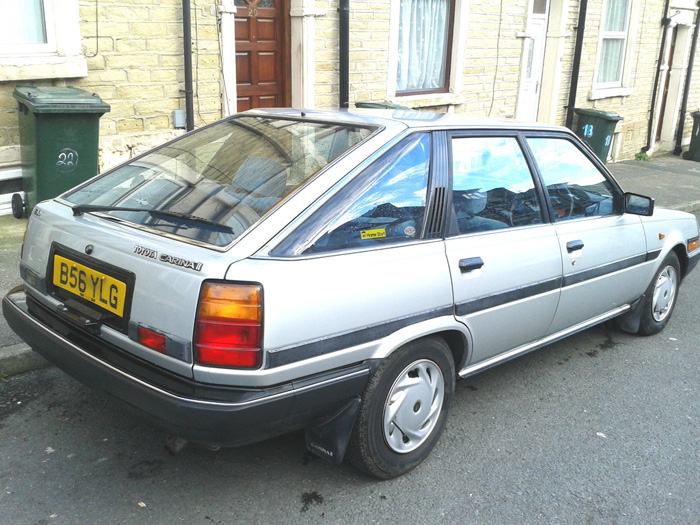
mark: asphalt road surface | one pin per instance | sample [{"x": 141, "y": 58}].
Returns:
[{"x": 603, "y": 427}]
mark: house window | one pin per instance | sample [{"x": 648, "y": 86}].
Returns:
[
  {"x": 425, "y": 31},
  {"x": 613, "y": 43},
  {"x": 26, "y": 26},
  {"x": 40, "y": 39}
]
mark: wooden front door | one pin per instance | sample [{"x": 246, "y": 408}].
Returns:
[{"x": 262, "y": 53}]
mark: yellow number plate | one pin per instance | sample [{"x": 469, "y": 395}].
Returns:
[{"x": 105, "y": 291}]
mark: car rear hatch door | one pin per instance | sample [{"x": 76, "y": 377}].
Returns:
[{"x": 120, "y": 283}]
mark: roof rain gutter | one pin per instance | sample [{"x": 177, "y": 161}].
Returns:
[
  {"x": 344, "y": 53},
  {"x": 187, "y": 45},
  {"x": 665, "y": 21},
  {"x": 580, "y": 29},
  {"x": 686, "y": 90}
]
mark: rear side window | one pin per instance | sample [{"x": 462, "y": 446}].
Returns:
[
  {"x": 492, "y": 187},
  {"x": 385, "y": 204},
  {"x": 576, "y": 188}
]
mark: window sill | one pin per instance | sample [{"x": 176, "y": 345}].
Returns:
[
  {"x": 597, "y": 94},
  {"x": 41, "y": 66}
]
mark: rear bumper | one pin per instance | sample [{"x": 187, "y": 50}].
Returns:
[{"x": 224, "y": 416}]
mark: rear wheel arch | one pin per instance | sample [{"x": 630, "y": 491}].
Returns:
[
  {"x": 457, "y": 342},
  {"x": 454, "y": 334}
]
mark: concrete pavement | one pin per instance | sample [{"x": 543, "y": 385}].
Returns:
[{"x": 670, "y": 180}]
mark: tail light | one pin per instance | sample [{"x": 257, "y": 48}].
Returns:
[{"x": 228, "y": 329}]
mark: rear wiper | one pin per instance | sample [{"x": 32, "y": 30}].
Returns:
[{"x": 82, "y": 208}]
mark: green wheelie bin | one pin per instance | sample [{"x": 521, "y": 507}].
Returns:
[
  {"x": 59, "y": 140},
  {"x": 693, "y": 152},
  {"x": 597, "y": 129}
]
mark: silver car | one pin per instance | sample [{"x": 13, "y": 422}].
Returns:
[{"x": 337, "y": 272}]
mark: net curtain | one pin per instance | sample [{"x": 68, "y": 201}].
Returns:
[{"x": 423, "y": 32}]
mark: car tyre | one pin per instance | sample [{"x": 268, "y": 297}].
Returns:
[
  {"x": 404, "y": 409},
  {"x": 661, "y": 296},
  {"x": 17, "y": 206}
]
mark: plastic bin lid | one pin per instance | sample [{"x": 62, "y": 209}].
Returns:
[
  {"x": 597, "y": 113},
  {"x": 59, "y": 100}
]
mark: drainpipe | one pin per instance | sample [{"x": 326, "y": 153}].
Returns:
[
  {"x": 665, "y": 21},
  {"x": 580, "y": 29},
  {"x": 344, "y": 53},
  {"x": 187, "y": 41},
  {"x": 686, "y": 90}
]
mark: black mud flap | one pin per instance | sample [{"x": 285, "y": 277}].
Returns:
[
  {"x": 329, "y": 436},
  {"x": 630, "y": 321}
]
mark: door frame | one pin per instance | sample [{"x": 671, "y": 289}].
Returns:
[
  {"x": 549, "y": 110},
  {"x": 528, "y": 41},
  {"x": 227, "y": 11},
  {"x": 667, "y": 123}
]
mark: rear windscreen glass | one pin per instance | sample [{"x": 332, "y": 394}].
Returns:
[{"x": 212, "y": 185}]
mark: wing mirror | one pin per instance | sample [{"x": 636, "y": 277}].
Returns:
[{"x": 639, "y": 204}]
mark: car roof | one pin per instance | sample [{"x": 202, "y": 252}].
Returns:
[{"x": 407, "y": 118}]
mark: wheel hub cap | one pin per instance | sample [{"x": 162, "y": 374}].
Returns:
[
  {"x": 413, "y": 406},
  {"x": 664, "y": 293}
]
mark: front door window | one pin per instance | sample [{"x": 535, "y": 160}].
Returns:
[{"x": 575, "y": 186}]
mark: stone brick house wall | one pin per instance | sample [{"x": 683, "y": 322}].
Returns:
[
  {"x": 137, "y": 66},
  {"x": 133, "y": 59},
  {"x": 130, "y": 53},
  {"x": 493, "y": 35}
]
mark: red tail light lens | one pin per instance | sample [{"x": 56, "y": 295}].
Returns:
[
  {"x": 228, "y": 331},
  {"x": 151, "y": 339}
]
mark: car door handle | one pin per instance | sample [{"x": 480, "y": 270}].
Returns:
[
  {"x": 470, "y": 264},
  {"x": 572, "y": 246}
]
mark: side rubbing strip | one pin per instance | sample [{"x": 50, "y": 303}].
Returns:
[
  {"x": 508, "y": 296},
  {"x": 653, "y": 255},
  {"x": 605, "y": 269},
  {"x": 321, "y": 347},
  {"x": 293, "y": 354}
]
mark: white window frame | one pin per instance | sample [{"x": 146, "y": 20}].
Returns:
[
  {"x": 45, "y": 48},
  {"x": 60, "y": 57},
  {"x": 618, "y": 88},
  {"x": 456, "y": 78}
]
